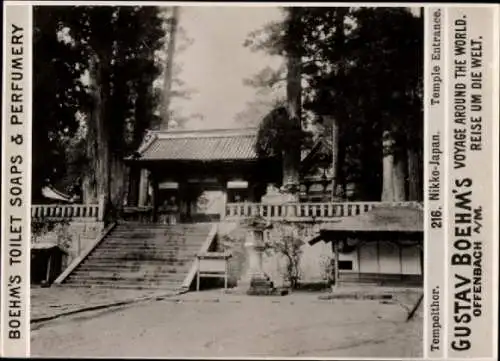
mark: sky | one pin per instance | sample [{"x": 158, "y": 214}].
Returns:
[{"x": 216, "y": 63}]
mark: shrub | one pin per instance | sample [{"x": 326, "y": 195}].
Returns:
[{"x": 285, "y": 241}]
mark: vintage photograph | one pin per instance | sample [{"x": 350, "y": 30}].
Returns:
[{"x": 227, "y": 181}]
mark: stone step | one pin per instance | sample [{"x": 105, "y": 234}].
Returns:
[
  {"x": 133, "y": 276},
  {"x": 131, "y": 279},
  {"x": 166, "y": 263},
  {"x": 167, "y": 286},
  {"x": 153, "y": 261},
  {"x": 137, "y": 248},
  {"x": 157, "y": 239},
  {"x": 145, "y": 244},
  {"x": 130, "y": 237},
  {"x": 138, "y": 255},
  {"x": 131, "y": 285},
  {"x": 154, "y": 241},
  {"x": 141, "y": 256},
  {"x": 120, "y": 275},
  {"x": 147, "y": 251},
  {"x": 166, "y": 230},
  {"x": 167, "y": 271},
  {"x": 161, "y": 225},
  {"x": 134, "y": 265},
  {"x": 105, "y": 267},
  {"x": 173, "y": 230}
]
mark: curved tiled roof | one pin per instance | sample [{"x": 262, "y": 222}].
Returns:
[{"x": 203, "y": 145}]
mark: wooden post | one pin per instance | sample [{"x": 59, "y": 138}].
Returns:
[
  {"x": 225, "y": 272},
  {"x": 47, "y": 276},
  {"x": 143, "y": 187},
  {"x": 335, "y": 245},
  {"x": 154, "y": 183},
  {"x": 197, "y": 274},
  {"x": 415, "y": 308}
]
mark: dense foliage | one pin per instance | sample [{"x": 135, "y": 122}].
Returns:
[
  {"x": 361, "y": 67},
  {"x": 93, "y": 73}
]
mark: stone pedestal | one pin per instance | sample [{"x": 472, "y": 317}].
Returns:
[{"x": 255, "y": 281}]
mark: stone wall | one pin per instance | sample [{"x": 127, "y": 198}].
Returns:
[
  {"x": 231, "y": 237},
  {"x": 314, "y": 259},
  {"x": 73, "y": 236}
]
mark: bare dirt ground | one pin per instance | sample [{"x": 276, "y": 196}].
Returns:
[
  {"x": 53, "y": 301},
  {"x": 212, "y": 324}
]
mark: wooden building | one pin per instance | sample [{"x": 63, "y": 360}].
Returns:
[
  {"x": 193, "y": 174},
  {"x": 382, "y": 246}
]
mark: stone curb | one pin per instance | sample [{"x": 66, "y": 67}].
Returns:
[
  {"x": 105, "y": 306},
  {"x": 356, "y": 296}
]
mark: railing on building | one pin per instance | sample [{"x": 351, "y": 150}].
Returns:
[
  {"x": 302, "y": 211},
  {"x": 79, "y": 212}
]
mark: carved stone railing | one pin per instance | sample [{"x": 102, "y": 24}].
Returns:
[
  {"x": 80, "y": 212},
  {"x": 303, "y": 211}
]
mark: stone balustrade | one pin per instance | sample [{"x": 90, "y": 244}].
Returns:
[
  {"x": 75, "y": 212},
  {"x": 302, "y": 211}
]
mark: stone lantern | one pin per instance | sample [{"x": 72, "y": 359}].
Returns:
[{"x": 255, "y": 281}]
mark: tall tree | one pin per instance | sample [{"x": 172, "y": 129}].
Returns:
[
  {"x": 121, "y": 45},
  {"x": 350, "y": 79},
  {"x": 293, "y": 49},
  {"x": 58, "y": 96},
  {"x": 168, "y": 72}
]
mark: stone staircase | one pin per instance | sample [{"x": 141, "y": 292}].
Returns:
[{"x": 142, "y": 256}]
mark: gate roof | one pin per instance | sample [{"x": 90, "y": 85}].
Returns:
[{"x": 199, "y": 145}]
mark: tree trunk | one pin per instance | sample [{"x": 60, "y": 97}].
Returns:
[
  {"x": 341, "y": 183},
  {"x": 339, "y": 108},
  {"x": 138, "y": 186},
  {"x": 414, "y": 176},
  {"x": 331, "y": 121},
  {"x": 291, "y": 161},
  {"x": 387, "y": 168},
  {"x": 91, "y": 177},
  {"x": 394, "y": 170},
  {"x": 117, "y": 182},
  {"x": 96, "y": 181},
  {"x": 399, "y": 177},
  {"x": 167, "y": 86},
  {"x": 133, "y": 186}
]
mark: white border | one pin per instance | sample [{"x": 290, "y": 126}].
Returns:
[
  {"x": 446, "y": 179},
  {"x": 425, "y": 168},
  {"x": 4, "y": 179},
  {"x": 246, "y": 4},
  {"x": 29, "y": 126},
  {"x": 426, "y": 139},
  {"x": 496, "y": 166}
]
